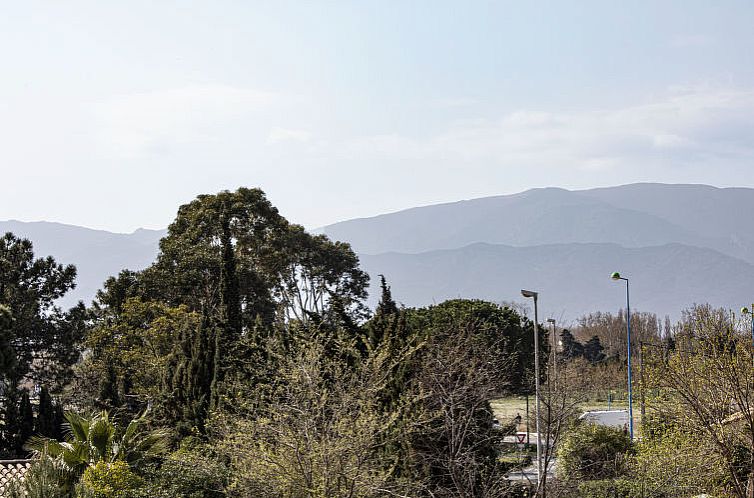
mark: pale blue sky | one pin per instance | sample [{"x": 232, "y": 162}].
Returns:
[{"x": 114, "y": 113}]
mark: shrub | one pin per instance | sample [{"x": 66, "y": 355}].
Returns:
[
  {"x": 187, "y": 474},
  {"x": 593, "y": 452},
  {"x": 41, "y": 481},
  {"x": 611, "y": 488},
  {"x": 108, "y": 480}
]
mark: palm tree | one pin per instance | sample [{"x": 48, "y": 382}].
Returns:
[{"x": 98, "y": 438}]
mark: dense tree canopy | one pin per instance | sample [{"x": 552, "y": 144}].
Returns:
[{"x": 43, "y": 336}]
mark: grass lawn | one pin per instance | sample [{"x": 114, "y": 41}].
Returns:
[{"x": 507, "y": 408}]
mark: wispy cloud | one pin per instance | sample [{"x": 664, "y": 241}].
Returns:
[
  {"x": 134, "y": 124},
  {"x": 691, "y": 40},
  {"x": 688, "y": 127},
  {"x": 278, "y": 135}
]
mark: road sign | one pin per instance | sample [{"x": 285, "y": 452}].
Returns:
[{"x": 521, "y": 438}]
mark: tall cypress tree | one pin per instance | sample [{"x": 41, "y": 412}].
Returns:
[
  {"x": 109, "y": 396},
  {"x": 226, "y": 338},
  {"x": 26, "y": 419},
  {"x": 231, "y": 295},
  {"x": 188, "y": 382},
  {"x": 7, "y": 353},
  {"x": 48, "y": 421},
  {"x": 384, "y": 321}
]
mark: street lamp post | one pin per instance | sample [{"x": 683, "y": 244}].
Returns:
[
  {"x": 616, "y": 276},
  {"x": 535, "y": 295},
  {"x": 747, "y": 311},
  {"x": 554, "y": 342}
]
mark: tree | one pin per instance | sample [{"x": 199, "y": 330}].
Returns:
[
  {"x": 319, "y": 434},
  {"x": 7, "y": 352},
  {"x": 234, "y": 249},
  {"x": 705, "y": 387},
  {"x": 44, "y": 337},
  {"x": 384, "y": 320},
  {"x": 26, "y": 421},
  {"x": 130, "y": 353},
  {"x": 611, "y": 329},
  {"x": 49, "y": 419},
  {"x": 188, "y": 379},
  {"x": 570, "y": 347},
  {"x": 562, "y": 397},
  {"x": 594, "y": 452},
  {"x": 593, "y": 350},
  {"x": 469, "y": 351},
  {"x": 234, "y": 259}
]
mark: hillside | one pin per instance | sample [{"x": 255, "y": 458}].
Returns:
[
  {"x": 636, "y": 215},
  {"x": 97, "y": 254},
  {"x": 572, "y": 279}
]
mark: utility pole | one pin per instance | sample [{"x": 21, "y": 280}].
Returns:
[{"x": 535, "y": 295}]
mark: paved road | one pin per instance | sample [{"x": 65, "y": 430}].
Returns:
[
  {"x": 529, "y": 473},
  {"x": 610, "y": 418}
]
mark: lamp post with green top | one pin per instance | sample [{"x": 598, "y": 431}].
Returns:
[{"x": 617, "y": 276}]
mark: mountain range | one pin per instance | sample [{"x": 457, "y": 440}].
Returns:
[
  {"x": 97, "y": 254},
  {"x": 678, "y": 244}
]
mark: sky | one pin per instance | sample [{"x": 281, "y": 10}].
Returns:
[{"x": 112, "y": 114}]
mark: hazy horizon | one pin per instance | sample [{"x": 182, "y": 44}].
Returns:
[{"x": 374, "y": 215}]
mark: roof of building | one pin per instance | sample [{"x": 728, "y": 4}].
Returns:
[{"x": 11, "y": 470}]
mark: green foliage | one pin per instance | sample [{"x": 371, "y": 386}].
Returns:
[
  {"x": 614, "y": 488},
  {"x": 26, "y": 419},
  {"x": 130, "y": 353},
  {"x": 319, "y": 433},
  {"x": 108, "y": 480},
  {"x": 7, "y": 352},
  {"x": 45, "y": 337},
  {"x": 593, "y": 452},
  {"x": 593, "y": 350},
  {"x": 678, "y": 463},
  {"x": 42, "y": 480},
  {"x": 99, "y": 439},
  {"x": 188, "y": 380},
  {"x": 277, "y": 266},
  {"x": 187, "y": 473},
  {"x": 502, "y": 328},
  {"x": 570, "y": 347},
  {"x": 18, "y": 422},
  {"x": 50, "y": 417}
]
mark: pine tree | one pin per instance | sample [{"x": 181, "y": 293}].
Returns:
[
  {"x": 593, "y": 350},
  {"x": 571, "y": 348}
]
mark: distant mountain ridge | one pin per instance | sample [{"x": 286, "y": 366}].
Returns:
[
  {"x": 547, "y": 239},
  {"x": 634, "y": 215},
  {"x": 97, "y": 254},
  {"x": 679, "y": 244},
  {"x": 573, "y": 279}
]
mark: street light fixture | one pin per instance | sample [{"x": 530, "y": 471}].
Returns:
[
  {"x": 535, "y": 295},
  {"x": 616, "y": 276},
  {"x": 554, "y": 342},
  {"x": 746, "y": 311}
]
